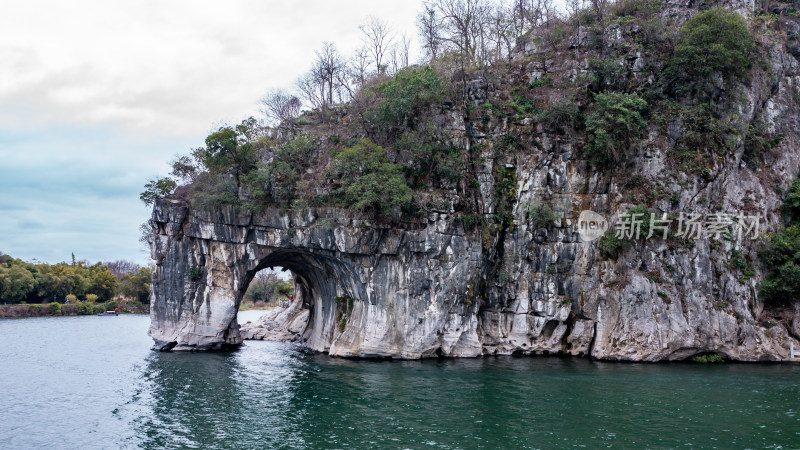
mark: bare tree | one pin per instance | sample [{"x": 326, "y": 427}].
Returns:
[
  {"x": 599, "y": 7},
  {"x": 521, "y": 20},
  {"x": 462, "y": 24},
  {"x": 120, "y": 267},
  {"x": 378, "y": 38},
  {"x": 573, "y": 6},
  {"x": 430, "y": 28},
  {"x": 329, "y": 65},
  {"x": 321, "y": 85},
  {"x": 393, "y": 59},
  {"x": 185, "y": 168},
  {"x": 312, "y": 88},
  {"x": 501, "y": 31},
  {"x": 399, "y": 54},
  {"x": 535, "y": 12},
  {"x": 405, "y": 49},
  {"x": 280, "y": 106},
  {"x": 359, "y": 66}
]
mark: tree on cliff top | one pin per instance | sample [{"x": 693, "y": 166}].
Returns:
[
  {"x": 157, "y": 188},
  {"x": 232, "y": 149}
]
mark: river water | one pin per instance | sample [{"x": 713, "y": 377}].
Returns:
[{"x": 92, "y": 382}]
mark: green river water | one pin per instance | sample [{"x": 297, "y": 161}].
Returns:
[{"x": 92, "y": 382}]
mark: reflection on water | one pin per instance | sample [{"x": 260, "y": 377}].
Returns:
[
  {"x": 217, "y": 399},
  {"x": 274, "y": 395},
  {"x": 67, "y": 390}
]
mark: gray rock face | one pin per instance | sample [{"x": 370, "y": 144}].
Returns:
[
  {"x": 371, "y": 291},
  {"x": 430, "y": 288}
]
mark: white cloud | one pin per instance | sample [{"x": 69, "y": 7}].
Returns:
[
  {"x": 97, "y": 96},
  {"x": 170, "y": 67}
]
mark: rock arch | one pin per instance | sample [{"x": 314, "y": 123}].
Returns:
[
  {"x": 420, "y": 290},
  {"x": 391, "y": 281},
  {"x": 320, "y": 279}
]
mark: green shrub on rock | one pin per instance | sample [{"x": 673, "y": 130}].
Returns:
[
  {"x": 428, "y": 156},
  {"x": 706, "y": 359},
  {"x": 639, "y": 213},
  {"x": 561, "y": 116},
  {"x": 369, "y": 181},
  {"x": 781, "y": 257},
  {"x": 403, "y": 97},
  {"x": 542, "y": 214},
  {"x": 195, "y": 273},
  {"x": 791, "y": 204},
  {"x": 157, "y": 188},
  {"x": 610, "y": 246},
  {"x": 213, "y": 190},
  {"x": 715, "y": 41},
  {"x": 613, "y": 127}
]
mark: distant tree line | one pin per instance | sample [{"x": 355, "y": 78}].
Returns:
[
  {"x": 267, "y": 287},
  {"x": 27, "y": 282}
]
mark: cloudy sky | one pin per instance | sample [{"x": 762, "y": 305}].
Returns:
[{"x": 97, "y": 96}]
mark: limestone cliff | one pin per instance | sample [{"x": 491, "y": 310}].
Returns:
[{"x": 438, "y": 286}]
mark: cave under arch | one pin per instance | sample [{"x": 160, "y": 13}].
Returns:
[{"x": 320, "y": 280}]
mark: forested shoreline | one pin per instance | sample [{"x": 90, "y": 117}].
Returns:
[{"x": 71, "y": 288}]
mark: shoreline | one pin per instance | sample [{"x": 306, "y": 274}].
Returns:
[
  {"x": 24, "y": 311},
  {"x": 689, "y": 361}
]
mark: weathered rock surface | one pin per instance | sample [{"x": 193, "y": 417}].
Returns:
[
  {"x": 282, "y": 324},
  {"x": 415, "y": 290},
  {"x": 370, "y": 291}
]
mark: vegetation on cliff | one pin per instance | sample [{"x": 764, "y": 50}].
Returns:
[
  {"x": 616, "y": 80},
  {"x": 781, "y": 255},
  {"x": 294, "y": 163}
]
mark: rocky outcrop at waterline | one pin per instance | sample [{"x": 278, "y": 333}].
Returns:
[
  {"x": 369, "y": 290},
  {"x": 509, "y": 278},
  {"x": 282, "y": 324}
]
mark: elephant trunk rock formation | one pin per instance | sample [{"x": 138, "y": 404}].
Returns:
[
  {"x": 372, "y": 291},
  {"x": 421, "y": 290}
]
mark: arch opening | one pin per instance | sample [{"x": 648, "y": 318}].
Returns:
[{"x": 321, "y": 300}]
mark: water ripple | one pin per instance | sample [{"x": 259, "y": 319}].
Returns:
[{"x": 92, "y": 383}]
